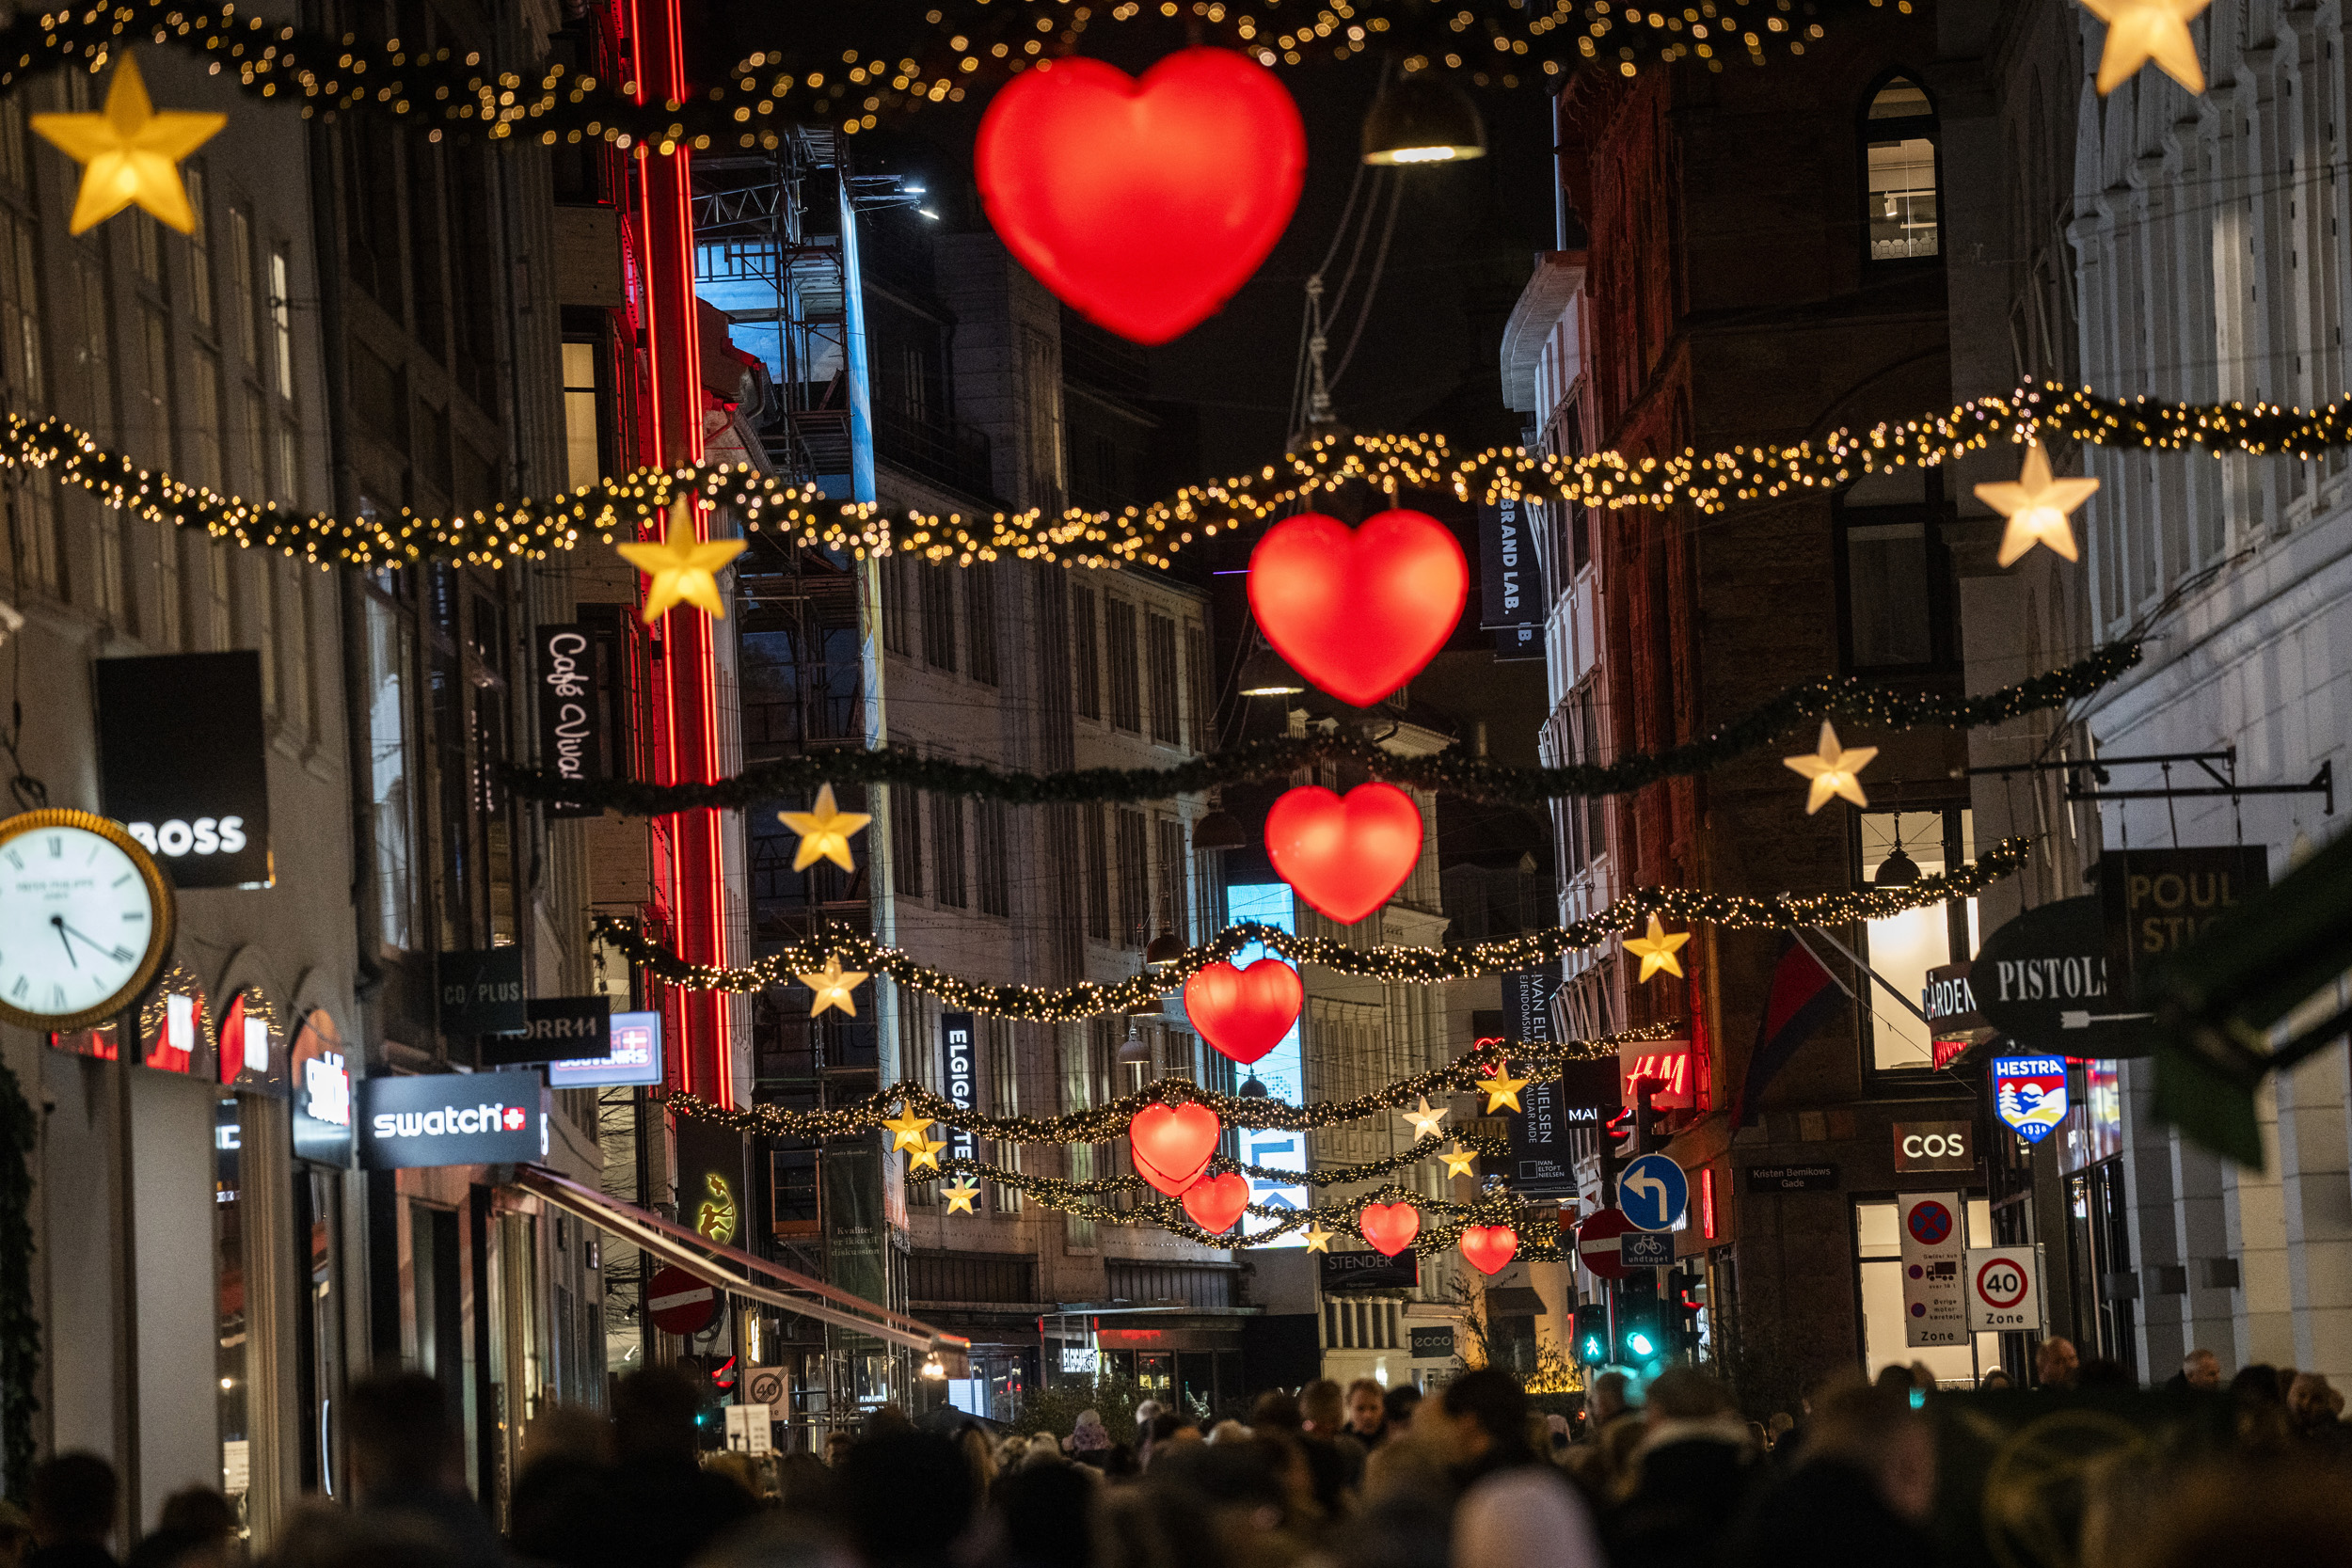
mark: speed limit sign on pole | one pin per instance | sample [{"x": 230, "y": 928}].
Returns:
[{"x": 2004, "y": 1289}]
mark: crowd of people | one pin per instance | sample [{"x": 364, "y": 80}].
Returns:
[{"x": 1671, "y": 1475}]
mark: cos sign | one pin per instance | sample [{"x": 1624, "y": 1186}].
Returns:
[{"x": 1934, "y": 1146}]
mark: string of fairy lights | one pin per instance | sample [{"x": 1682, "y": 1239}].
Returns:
[
  {"x": 833, "y": 955},
  {"x": 1151, "y": 535},
  {"x": 1454, "y": 772}
]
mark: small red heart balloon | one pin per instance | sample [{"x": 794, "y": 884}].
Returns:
[
  {"x": 1143, "y": 204},
  {"x": 1172, "y": 1143},
  {"x": 1244, "y": 1013},
  {"x": 1214, "y": 1202},
  {"x": 1489, "y": 1246},
  {"x": 1360, "y": 610},
  {"x": 1390, "y": 1226},
  {"x": 1344, "y": 856}
]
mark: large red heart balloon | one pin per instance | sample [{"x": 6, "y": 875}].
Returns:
[
  {"x": 1214, "y": 1202},
  {"x": 1489, "y": 1246},
  {"x": 1172, "y": 1143},
  {"x": 1358, "y": 611},
  {"x": 1143, "y": 204},
  {"x": 1244, "y": 1013},
  {"x": 1344, "y": 856},
  {"x": 1390, "y": 1226}
]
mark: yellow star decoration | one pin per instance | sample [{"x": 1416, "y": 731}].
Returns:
[
  {"x": 906, "y": 1128},
  {"x": 1834, "y": 769},
  {"x": 1424, "y": 1121},
  {"x": 1458, "y": 1160},
  {"x": 824, "y": 833},
  {"x": 1318, "y": 1239},
  {"x": 2143, "y": 30},
  {"x": 2036, "y": 506},
  {"x": 682, "y": 569},
  {"x": 959, "y": 1194},
  {"x": 130, "y": 153},
  {"x": 1502, "y": 1089},
  {"x": 926, "y": 1154},
  {"x": 1655, "y": 949},
  {"x": 832, "y": 985}
]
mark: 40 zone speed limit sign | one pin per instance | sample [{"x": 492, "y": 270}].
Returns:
[{"x": 2004, "y": 1289}]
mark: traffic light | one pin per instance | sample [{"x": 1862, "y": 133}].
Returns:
[
  {"x": 1592, "y": 1335},
  {"x": 1687, "y": 1299},
  {"x": 1642, "y": 1341}
]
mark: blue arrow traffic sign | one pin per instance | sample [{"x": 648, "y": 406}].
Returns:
[{"x": 1653, "y": 1191}]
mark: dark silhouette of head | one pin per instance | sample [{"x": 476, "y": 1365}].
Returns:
[
  {"x": 653, "y": 1416},
  {"x": 72, "y": 1499},
  {"x": 906, "y": 1497},
  {"x": 402, "y": 1437},
  {"x": 1491, "y": 1401}
]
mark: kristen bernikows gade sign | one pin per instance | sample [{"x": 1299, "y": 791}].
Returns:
[
  {"x": 2041, "y": 979},
  {"x": 451, "y": 1119}
]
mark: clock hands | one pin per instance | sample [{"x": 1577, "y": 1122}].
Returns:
[
  {"x": 58, "y": 921},
  {"x": 65, "y": 931}
]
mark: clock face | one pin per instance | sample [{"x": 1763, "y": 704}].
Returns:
[{"x": 84, "y": 919}]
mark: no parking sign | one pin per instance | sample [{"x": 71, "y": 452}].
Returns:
[{"x": 2004, "y": 1287}]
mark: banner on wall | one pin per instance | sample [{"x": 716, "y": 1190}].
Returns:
[
  {"x": 960, "y": 1054},
  {"x": 570, "y": 664},
  {"x": 183, "y": 764},
  {"x": 1282, "y": 1071}
]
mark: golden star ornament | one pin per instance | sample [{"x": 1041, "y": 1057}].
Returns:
[
  {"x": 130, "y": 152},
  {"x": 1835, "y": 770},
  {"x": 1657, "y": 948},
  {"x": 682, "y": 569},
  {"x": 824, "y": 832},
  {"x": 959, "y": 1194},
  {"x": 1458, "y": 1160},
  {"x": 832, "y": 985},
  {"x": 1502, "y": 1089},
  {"x": 906, "y": 1128},
  {"x": 2143, "y": 30},
  {"x": 2037, "y": 506},
  {"x": 1318, "y": 1239},
  {"x": 926, "y": 1153},
  {"x": 1424, "y": 1121}
]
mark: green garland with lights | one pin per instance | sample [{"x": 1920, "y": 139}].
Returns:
[
  {"x": 1453, "y": 772},
  {"x": 1422, "y": 1151},
  {"x": 1404, "y": 965}
]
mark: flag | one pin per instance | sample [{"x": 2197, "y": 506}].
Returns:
[{"x": 1802, "y": 995}]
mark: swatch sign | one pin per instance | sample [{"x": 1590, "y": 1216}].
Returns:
[{"x": 451, "y": 1119}]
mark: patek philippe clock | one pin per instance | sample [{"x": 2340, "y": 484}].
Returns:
[{"x": 85, "y": 919}]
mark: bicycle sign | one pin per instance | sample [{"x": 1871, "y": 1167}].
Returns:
[{"x": 2004, "y": 1289}]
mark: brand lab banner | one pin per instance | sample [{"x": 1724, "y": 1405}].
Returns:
[
  {"x": 1510, "y": 588},
  {"x": 451, "y": 1119}
]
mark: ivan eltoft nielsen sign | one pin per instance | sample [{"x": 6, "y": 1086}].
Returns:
[
  {"x": 184, "y": 763},
  {"x": 956, "y": 1044},
  {"x": 556, "y": 1029},
  {"x": 571, "y": 710},
  {"x": 451, "y": 1119},
  {"x": 1542, "y": 1164}
]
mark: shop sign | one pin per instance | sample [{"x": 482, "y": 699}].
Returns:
[
  {"x": 1934, "y": 1146},
  {"x": 955, "y": 1045},
  {"x": 2004, "y": 1289},
  {"x": 1792, "y": 1178},
  {"x": 183, "y": 764},
  {"x": 323, "y": 1099},
  {"x": 1347, "y": 1273},
  {"x": 481, "y": 992},
  {"x": 1948, "y": 1003},
  {"x": 1432, "y": 1344},
  {"x": 556, "y": 1029},
  {"x": 571, "y": 707},
  {"x": 2030, "y": 1094},
  {"x": 1667, "y": 1063},
  {"x": 634, "y": 1057},
  {"x": 1510, "y": 598},
  {"x": 451, "y": 1119},
  {"x": 1277, "y": 1151},
  {"x": 1934, "y": 1235},
  {"x": 748, "y": 1429},
  {"x": 2042, "y": 980},
  {"x": 2157, "y": 901},
  {"x": 251, "y": 1052},
  {"x": 710, "y": 1183}
]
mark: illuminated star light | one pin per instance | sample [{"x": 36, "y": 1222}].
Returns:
[
  {"x": 2036, "y": 505},
  {"x": 1458, "y": 1160},
  {"x": 1318, "y": 1239},
  {"x": 2143, "y": 30},
  {"x": 1657, "y": 949},
  {"x": 832, "y": 985},
  {"x": 130, "y": 154},
  {"x": 959, "y": 1194},
  {"x": 1835, "y": 770},
  {"x": 1424, "y": 1121},
  {"x": 682, "y": 569},
  {"x": 906, "y": 1128},
  {"x": 824, "y": 833},
  {"x": 926, "y": 1154},
  {"x": 1502, "y": 1089}
]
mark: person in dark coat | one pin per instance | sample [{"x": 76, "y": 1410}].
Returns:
[
  {"x": 1858, "y": 1498},
  {"x": 1692, "y": 1470},
  {"x": 73, "y": 1512}
]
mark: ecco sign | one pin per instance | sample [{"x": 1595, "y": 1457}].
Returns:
[
  {"x": 451, "y": 1119},
  {"x": 1933, "y": 1145}
]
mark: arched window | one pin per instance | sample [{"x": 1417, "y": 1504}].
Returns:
[{"x": 1899, "y": 139}]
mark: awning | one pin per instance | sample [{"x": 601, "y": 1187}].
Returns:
[{"x": 733, "y": 1270}]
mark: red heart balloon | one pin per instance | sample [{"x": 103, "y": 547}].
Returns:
[
  {"x": 1390, "y": 1226},
  {"x": 1489, "y": 1246},
  {"x": 1358, "y": 611},
  {"x": 1143, "y": 204},
  {"x": 1344, "y": 856},
  {"x": 1214, "y": 1202},
  {"x": 1172, "y": 1143},
  {"x": 1244, "y": 1013}
]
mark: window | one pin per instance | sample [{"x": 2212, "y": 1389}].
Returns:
[
  {"x": 203, "y": 419},
  {"x": 1132, "y": 856},
  {"x": 1879, "y": 1269},
  {"x": 1126, "y": 678},
  {"x": 979, "y": 622},
  {"x": 156, "y": 349},
  {"x": 199, "y": 249},
  {"x": 1160, "y": 648},
  {"x": 1901, "y": 948},
  {"x": 1898, "y": 138},
  {"x": 995, "y": 869},
  {"x": 389, "y": 649},
  {"x": 218, "y": 611},
  {"x": 1894, "y": 576},
  {"x": 1203, "y": 715},
  {"x": 1174, "y": 912},
  {"x": 897, "y": 596},
  {"x": 246, "y": 282},
  {"x": 1084, "y": 640},
  {"x": 948, "y": 849},
  {"x": 96, "y": 352},
  {"x": 939, "y": 616},
  {"x": 906, "y": 841},
  {"x": 583, "y": 462},
  {"x": 257, "y": 444},
  {"x": 1098, "y": 875}
]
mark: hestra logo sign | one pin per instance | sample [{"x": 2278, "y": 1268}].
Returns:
[{"x": 451, "y": 1119}]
